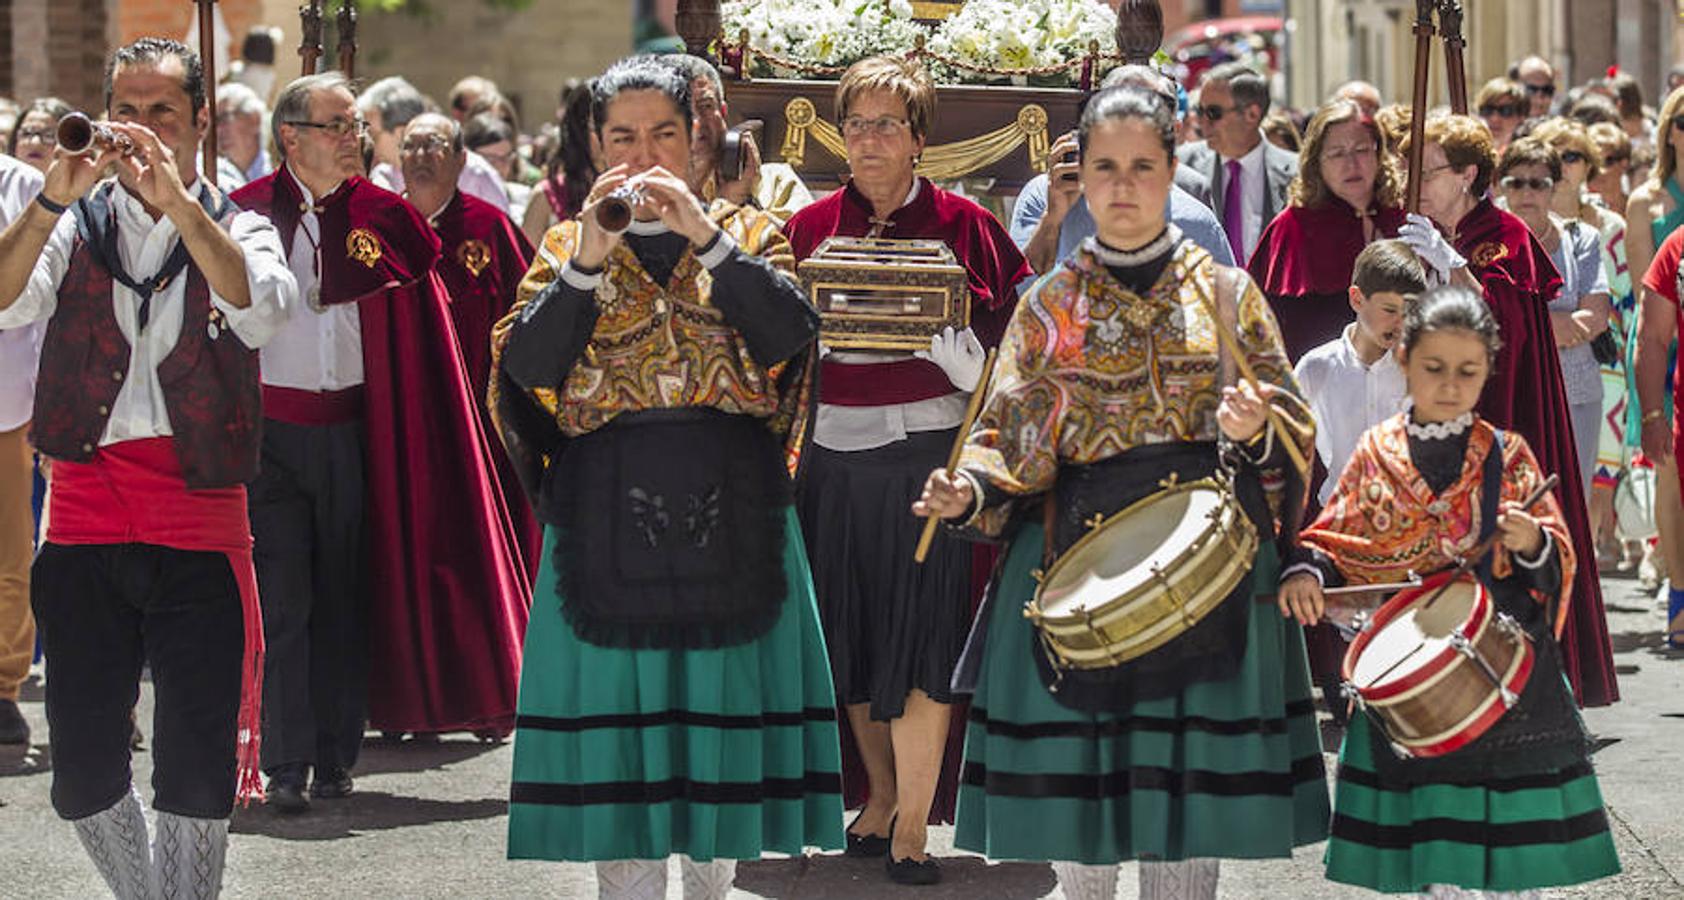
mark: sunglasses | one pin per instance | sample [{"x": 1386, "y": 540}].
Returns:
[
  {"x": 1505, "y": 111},
  {"x": 1215, "y": 113},
  {"x": 1615, "y": 160},
  {"x": 1511, "y": 183},
  {"x": 1548, "y": 90},
  {"x": 1573, "y": 156}
]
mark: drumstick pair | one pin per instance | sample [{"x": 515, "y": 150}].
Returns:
[
  {"x": 1232, "y": 345},
  {"x": 971, "y": 411}
]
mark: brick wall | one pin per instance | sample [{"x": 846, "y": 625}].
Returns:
[{"x": 171, "y": 18}]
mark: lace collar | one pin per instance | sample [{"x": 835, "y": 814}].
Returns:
[
  {"x": 1438, "y": 431},
  {"x": 1140, "y": 256}
]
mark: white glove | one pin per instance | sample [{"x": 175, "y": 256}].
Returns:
[
  {"x": 960, "y": 356},
  {"x": 1428, "y": 243}
]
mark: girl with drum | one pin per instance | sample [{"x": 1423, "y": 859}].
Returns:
[
  {"x": 1509, "y": 806},
  {"x": 1114, "y": 385}
]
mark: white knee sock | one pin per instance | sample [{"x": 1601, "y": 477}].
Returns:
[
  {"x": 709, "y": 880},
  {"x": 115, "y": 839},
  {"x": 188, "y": 856},
  {"x": 1084, "y": 882},
  {"x": 1189, "y": 879},
  {"x": 631, "y": 879}
]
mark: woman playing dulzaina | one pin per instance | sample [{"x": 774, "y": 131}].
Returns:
[
  {"x": 1114, "y": 378},
  {"x": 652, "y": 386},
  {"x": 1517, "y": 808}
]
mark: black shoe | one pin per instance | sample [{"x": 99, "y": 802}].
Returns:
[
  {"x": 13, "y": 728},
  {"x": 286, "y": 789},
  {"x": 911, "y": 871},
  {"x": 331, "y": 784},
  {"x": 865, "y": 845}
]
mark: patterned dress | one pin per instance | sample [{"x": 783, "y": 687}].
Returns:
[
  {"x": 1408, "y": 505},
  {"x": 641, "y": 752},
  {"x": 1102, "y": 363}
]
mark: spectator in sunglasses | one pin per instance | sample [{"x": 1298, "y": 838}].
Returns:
[
  {"x": 1537, "y": 78},
  {"x": 1248, "y": 175},
  {"x": 1615, "y": 148},
  {"x": 1637, "y": 119},
  {"x": 1502, "y": 105}
]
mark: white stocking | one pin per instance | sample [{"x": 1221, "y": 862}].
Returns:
[
  {"x": 189, "y": 856},
  {"x": 709, "y": 880},
  {"x": 115, "y": 839},
  {"x": 1189, "y": 879},
  {"x": 1084, "y": 882},
  {"x": 631, "y": 879}
]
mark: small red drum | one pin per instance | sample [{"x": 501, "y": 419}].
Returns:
[{"x": 1438, "y": 677}]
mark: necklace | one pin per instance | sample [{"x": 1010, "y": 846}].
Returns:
[
  {"x": 1151, "y": 250},
  {"x": 1438, "y": 431}
]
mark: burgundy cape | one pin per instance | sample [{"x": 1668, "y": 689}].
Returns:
[
  {"x": 1303, "y": 264},
  {"x": 994, "y": 266},
  {"x": 485, "y": 257},
  {"x": 449, "y": 603},
  {"x": 1526, "y": 394}
]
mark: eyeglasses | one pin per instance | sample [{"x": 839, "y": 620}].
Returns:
[
  {"x": 1428, "y": 173},
  {"x": 1512, "y": 183},
  {"x": 498, "y": 159},
  {"x": 1505, "y": 111},
  {"x": 882, "y": 126},
  {"x": 1547, "y": 90},
  {"x": 1572, "y": 157},
  {"x": 1341, "y": 154},
  {"x": 432, "y": 143},
  {"x": 32, "y": 134},
  {"x": 337, "y": 128},
  {"x": 1215, "y": 113}
]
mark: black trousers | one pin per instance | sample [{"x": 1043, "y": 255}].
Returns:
[
  {"x": 103, "y": 611},
  {"x": 307, "y": 521}
]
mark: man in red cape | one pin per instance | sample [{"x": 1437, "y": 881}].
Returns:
[
  {"x": 485, "y": 257},
  {"x": 376, "y": 473},
  {"x": 1526, "y": 394}
]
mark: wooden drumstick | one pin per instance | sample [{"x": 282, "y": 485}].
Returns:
[
  {"x": 1233, "y": 345},
  {"x": 971, "y": 411},
  {"x": 1484, "y": 547}
]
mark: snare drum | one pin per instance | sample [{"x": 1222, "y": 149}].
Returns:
[
  {"x": 1437, "y": 678},
  {"x": 1144, "y": 576}
]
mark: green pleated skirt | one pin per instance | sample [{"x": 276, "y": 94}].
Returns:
[
  {"x": 1513, "y": 834},
  {"x": 639, "y": 754},
  {"x": 1227, "y": 768}
]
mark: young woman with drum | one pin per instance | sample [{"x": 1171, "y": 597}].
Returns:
[
  {"x": 1128, "y": 387},
  {"x": 1470, "y": 768}
]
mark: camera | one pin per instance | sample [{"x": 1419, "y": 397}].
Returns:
[{"x": 1071, "y": 157}]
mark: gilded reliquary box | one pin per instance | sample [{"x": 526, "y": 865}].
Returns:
[{"x": 879, "y": 294}]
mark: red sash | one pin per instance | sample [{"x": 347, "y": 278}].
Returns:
[
  {"x": 881, "y": 384},
  {"x": 133, "y": 492}
]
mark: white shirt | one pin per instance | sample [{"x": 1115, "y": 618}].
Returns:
[
  {"x": 143, "y": 245},
  {"x": 479, "y": 177},
  {"x": 1347, "y": 398},
  {"x": 320, "y": 349},
  {"x": 20, "y": 348},
  {"x": 1253, "y": 185},
  {"x": 848, "y": 429}
]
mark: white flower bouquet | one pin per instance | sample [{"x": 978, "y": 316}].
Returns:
[{"x": 824, "y": 34}]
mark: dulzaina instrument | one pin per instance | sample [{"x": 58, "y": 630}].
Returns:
[
  {"x": 614, "y": 212},
  {"x": 1144, "y": 576},
  {"x": 1438, "y": 665},
  {"x": 78, "y": 134}
]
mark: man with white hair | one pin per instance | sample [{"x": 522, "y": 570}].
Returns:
[
  {"x": 240, "y": 116},
  {"x": 388, "y": 105},
  {"x": 1366, "y": 96},
  {"x": 1537, "y": 76}
]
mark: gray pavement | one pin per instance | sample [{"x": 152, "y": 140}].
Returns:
[{"x": 428, "y": 820}]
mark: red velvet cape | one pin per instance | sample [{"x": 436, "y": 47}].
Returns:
[
  {"x": 450, "y": 598},
  {"x": 485, "y": 257},
  {"x": 994, "y": 267},
  {"x": 1303, "y": 264},
  {"x": 1526, "y": 394}
]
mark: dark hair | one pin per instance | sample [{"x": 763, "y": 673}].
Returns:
[
  {"x": 1530, "y": 151},
  {"x": 1593, "y": 108},
  {"x": 1129, "y": 102},
  {"x": 1451, "y": 307},
  {"x": 1389, "y": 267},
  {"x": 1628, "y": 94},
  {"x": 573, "y": 157},
  {"x": 1247, "y": 85},
  {"x": 52, "y": 106},
  {"x": 639, "y": 73},
  {"x": 485, "y": 129},
  {"x": 150, "y": 51},
  {"x": 259, "y": 46}
]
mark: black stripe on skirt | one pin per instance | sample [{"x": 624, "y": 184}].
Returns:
[
  {"x": 1122, "y": 725},
  {"x": 1462, "y": 831},
  {"x": 1540, "y": 780},
  {"x": 715, "y": 792},
  {"x": 684, "y": 717},
  {"x": 1145, "y": 778}
]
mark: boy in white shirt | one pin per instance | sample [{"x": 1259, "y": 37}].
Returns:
[{"x": 1354, "y": 382}]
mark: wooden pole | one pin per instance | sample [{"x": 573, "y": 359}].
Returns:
[
  {"x": 207, "y": 57},
  {"x": 1450, "y": 26},
  {"x": 1418, "y": 105},
  {"x": 310, "y": 37},
  {"x": 348, "y": 38},
  {"x": 977, "y": 396}
]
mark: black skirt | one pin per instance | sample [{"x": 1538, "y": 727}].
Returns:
[{"x": 891, "y": 625}]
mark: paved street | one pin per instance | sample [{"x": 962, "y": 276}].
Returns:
[{"x": 428, "y": 820}]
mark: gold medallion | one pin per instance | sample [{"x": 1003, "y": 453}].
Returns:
[
  {"x": 362, "y": 246},
  {"x": 474, "y": 256}
]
